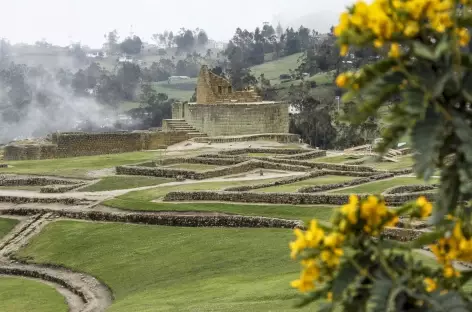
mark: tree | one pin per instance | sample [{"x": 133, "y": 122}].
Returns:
[
  {"x": 129, "y": 76},
  {"x": 348, "y": 261},
  {"x": 112, "y": 41},
  {"x": 279, "y": 30},
  {"x": 202, "y": 38},
  {"x": 131, "y": 45},
  {"x": 185, "y": 40}
]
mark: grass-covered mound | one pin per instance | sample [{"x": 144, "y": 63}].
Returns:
[
  {"x": 153, "y": 268},
  {"x": 6, "y": 225},
  {"x": 23, "y": 295}
]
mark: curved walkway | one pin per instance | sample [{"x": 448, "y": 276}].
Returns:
[{"x": 82, "y": 292}]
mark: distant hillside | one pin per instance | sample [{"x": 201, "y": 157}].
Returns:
[{"x": 319, "y": 21}]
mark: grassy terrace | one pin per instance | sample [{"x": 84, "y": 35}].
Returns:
[
  {"x": 77, "y": 166},
  {"x": 124, "y": 182},
  {"x": 18, "y": 294},
  {"x": 176, "y": 269},
  {"x": 293, "y": 187},
  {"x": 6, "y": 225},
  {"x": 332, "y": 159},
  {"x": 380, "y": 186},
  {"x": 403, "y": 162}
]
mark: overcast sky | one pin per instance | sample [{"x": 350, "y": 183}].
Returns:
[{"x": 65, "y": 21}]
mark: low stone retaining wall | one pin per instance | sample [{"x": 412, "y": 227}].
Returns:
[
  {"x": 283, "y": 198},
  {"x": 410, "y": 188},
  {"x": 307, "y": 176},
  {"x": 218, "y": 172},
  {"x": 202, "y": 160},
  {"x": 278, "y": 137},
  {"x": 8, "y": 180},
  {"x": 319, "y": 165},
  {"x": 326, "y": 187},
  {"x": 282, "y": 151},
  {"x": 43, "y": 200},
  {"x": 168, "y": 220},
  {"x": 3, "y": 166},
  {"x": 60, "y": 188},
  {"x": 307, "y": 155}
]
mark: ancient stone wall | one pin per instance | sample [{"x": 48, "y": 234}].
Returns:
[
  {"x": 73, "y": 144},
  {"x": 236, "y": 119}
]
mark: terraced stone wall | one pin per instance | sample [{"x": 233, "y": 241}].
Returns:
[{"x": 235, "y": 119}]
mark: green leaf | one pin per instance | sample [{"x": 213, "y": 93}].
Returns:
[
  {"x": 425, "y": 138},
  {"x": 441, "y": 83},
  {"x": 423, "y": 51},
  {"x": 465, "y": 276},
  {"x": 449, "y": 302},
  {"x": 414, "y": 101},
  {"x": 448, "y": 194},
  {"x": 379, "y": 295},
  {"x": 345, "y": 277},
  {"x": 424, "y": 240},
  {"x": 442, "y": 47},
  {"x": 326, "y": 307},
  {"x": 467, "y": 86},
  {"x": 464, "y": 133}
]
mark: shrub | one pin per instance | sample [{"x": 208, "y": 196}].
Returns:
[{"x": 425, "y": 73}]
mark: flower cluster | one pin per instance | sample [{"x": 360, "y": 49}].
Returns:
[
  {"x": 323, "y": 258},
  {"x": 370, "y": 216},
  {"x": 454, "y": 246},
  {"x": 390, "y": 20}
]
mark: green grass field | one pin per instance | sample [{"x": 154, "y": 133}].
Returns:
[
  {"x": 193, "y": 167},
  {"x": 76, "y": 166},
  {"x": 403, "y": 162},
  {"x": 124, "y": 182},
  {"x": 293, "y": 187},
  {"x": 380, "y": 186},
  {"x": 272, "y": 70},
  {"x": 176, "y": 269},
  {"x": 179, "y": 90},
  {"x": 23, "y": 295},
  {"x": 6, "y": 225}
]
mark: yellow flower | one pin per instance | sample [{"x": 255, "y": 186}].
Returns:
[
  {"x": 430, "y": 284},
  {"x": 344, "y": 49},
  {"x": 425, "y": 206},
  {"x": 394, "y": 50},
  {"x": 333, "y": 240},
  {"x": 412, "y": 28},
  {"x": 450, "y": 272},
  {"x": 342, "y": 80},
  {"x": 378, "y": 43},
  {"x": 309, "y": 275},
  {"x": 463, "y": 37},
  {"x": 314, "y": 235},
  {"x": 331, "y": 258},
  {"x": 350, "y": 209},
  {"x": 372, "y": 211},
  {"x": 329, "y": 297},
  {"x": 298, "y": 245}
]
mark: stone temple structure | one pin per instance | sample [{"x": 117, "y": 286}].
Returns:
[{"x": 221, "y": 111}]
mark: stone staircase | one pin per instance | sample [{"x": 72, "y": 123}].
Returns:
[{"x": 180, "y": 125}]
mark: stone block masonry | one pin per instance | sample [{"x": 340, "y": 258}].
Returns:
[
  {"x": 73, "y": 144},
  {"x": 235, "y": 119}
]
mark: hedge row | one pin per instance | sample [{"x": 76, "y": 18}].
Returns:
[
  {"x": 307, "y": 176},
  {"x": 319, "y": 165},
  {"x": 60, "y": 188},
  {"x": 410, "y": 188},
  {"x": 282, "y": 198},
  {"x": 326, "y": 187},
  {"x": 284, "y": 151},
  {"x": 8, "y": 180},
  {"x": 160, "y": 219},
  {"x": 217, "y": 172},
  {"x": 43, "y": 200},
  {"x": 307, "y": 155}
]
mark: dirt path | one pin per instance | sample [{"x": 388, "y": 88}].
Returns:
[{"x": 83, "y": 293}]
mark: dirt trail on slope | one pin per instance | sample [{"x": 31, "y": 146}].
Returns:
[{"x": 83, "y": 293}]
